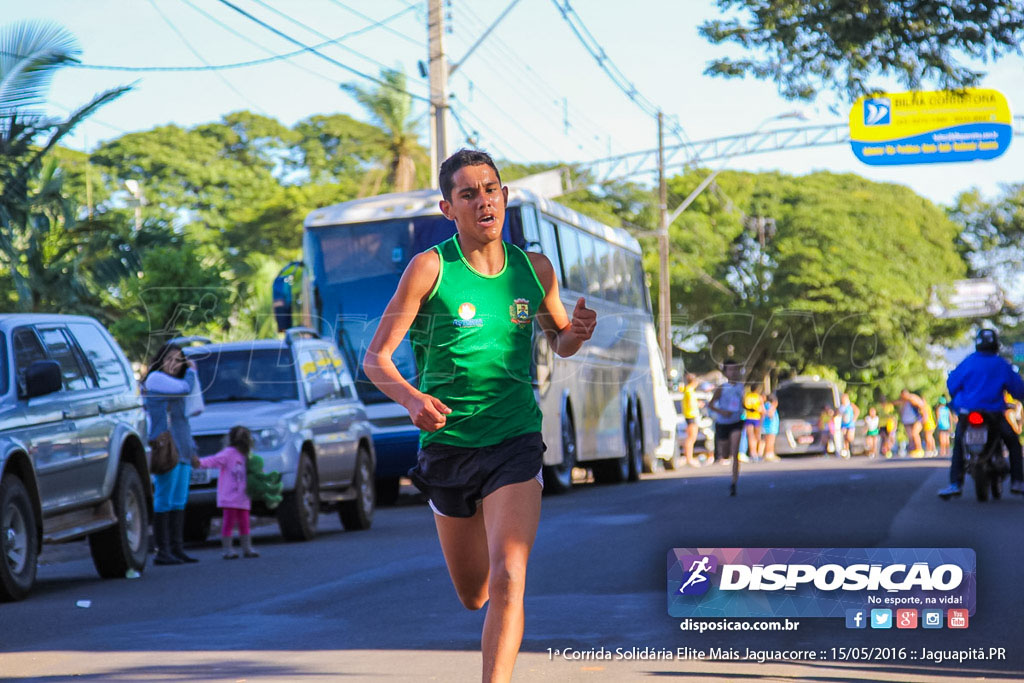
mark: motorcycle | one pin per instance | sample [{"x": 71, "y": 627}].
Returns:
[{"x": 983, "y": 454}]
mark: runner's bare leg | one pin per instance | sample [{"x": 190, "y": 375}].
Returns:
[
  {"x": 511, "y": 515},
  {"x": 464, "y": 544}
]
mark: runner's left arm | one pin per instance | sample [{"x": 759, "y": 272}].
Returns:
[{"x": 565, "y": 336}]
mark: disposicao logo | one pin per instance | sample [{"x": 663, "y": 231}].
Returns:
[
  {"x": 817, "y": 582},
  {"x": 877, "y": 111},
  {"x": 697, "y": 581}
]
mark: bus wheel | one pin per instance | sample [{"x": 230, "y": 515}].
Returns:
[
  {"x": 558, "y": 478},
  {"x": 636, "y": 449},
  {"x": 617, "y": 470}
]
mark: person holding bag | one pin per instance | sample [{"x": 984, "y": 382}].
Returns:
[{"x": 169, "y": 380}]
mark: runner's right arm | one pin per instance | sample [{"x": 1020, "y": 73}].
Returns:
[{"x": 427, "y": 412}]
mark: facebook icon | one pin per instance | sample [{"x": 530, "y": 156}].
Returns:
[{"x": 856, "y": 618}]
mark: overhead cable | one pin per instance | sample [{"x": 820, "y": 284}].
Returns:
[{"x": 316, "y": 52}]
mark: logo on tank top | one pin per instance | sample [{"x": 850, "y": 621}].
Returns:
[
  {"x": 520, "y": 312},
  {"x": 466, "y": 318}
]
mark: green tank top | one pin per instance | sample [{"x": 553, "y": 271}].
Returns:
[{"x": 473, "y": 341}]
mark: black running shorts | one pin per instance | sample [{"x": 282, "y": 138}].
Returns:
[{"x": 456, "y": 478}]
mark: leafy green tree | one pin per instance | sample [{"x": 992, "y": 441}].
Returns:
[
  {"x": 336, "y": 149},
  {"x": 41, "y": 234},
  {"x": 390, "y": 109},
  {"x": 820, "y": 274},
  {"x": 839, "y": 45},
  {"x": 992, "y": 242},
  {"x": 179, "y": 290}
]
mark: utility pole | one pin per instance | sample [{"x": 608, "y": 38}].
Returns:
[
  {"x": 438, "y": 69},
  {"x": 664, "y": 304}
]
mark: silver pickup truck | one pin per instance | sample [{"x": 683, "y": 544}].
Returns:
[
  {"x": 298, "y": 399},
  {"x": 72, "y": 460}
]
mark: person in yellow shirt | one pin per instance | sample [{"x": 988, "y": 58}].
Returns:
[
  {"x": 691, "y": 412},
  {"x": 753, "y": 409},
  {"x": 1013, "y": 413}
]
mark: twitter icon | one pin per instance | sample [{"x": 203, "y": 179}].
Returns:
[{"x": 881, "y": 618}]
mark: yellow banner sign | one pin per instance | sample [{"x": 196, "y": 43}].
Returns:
[{"x": 930, "y": 127}]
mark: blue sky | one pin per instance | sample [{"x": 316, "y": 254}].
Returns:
[{"x": 531, "y": 91}]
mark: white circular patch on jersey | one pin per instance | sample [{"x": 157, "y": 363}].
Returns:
[{"x": 467, "y": 311}]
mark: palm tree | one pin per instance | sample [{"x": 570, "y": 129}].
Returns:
[
  {"x": 39, "y": 229},
  {"x": 390, "y": 109}
]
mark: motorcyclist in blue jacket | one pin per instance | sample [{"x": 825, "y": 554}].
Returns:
[{"x": 979, "y": 383}]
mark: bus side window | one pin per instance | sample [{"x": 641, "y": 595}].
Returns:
[
  {"x": 573, "y": 263},
  {"x": 603, "y": 284},
  {"x": 588, "y": 257},
  {"x": 549, "y": 247},
  {"x": 631, "y": 288},
  {"x": 531, "y": 233}
]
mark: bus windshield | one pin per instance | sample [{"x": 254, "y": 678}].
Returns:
[{"x": 357, "y": 269}]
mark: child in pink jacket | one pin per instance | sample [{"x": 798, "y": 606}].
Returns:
[{"x": 231, "y": 495}]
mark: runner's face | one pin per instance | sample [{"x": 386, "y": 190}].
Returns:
[{"x": 478, "y": 203}]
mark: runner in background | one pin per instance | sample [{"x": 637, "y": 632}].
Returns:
[
  {"x": 726, "y": 405},
  {"x": 872, "y": 424}
]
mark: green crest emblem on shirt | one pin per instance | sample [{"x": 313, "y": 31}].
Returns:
[{"x": 520, "y": 312}]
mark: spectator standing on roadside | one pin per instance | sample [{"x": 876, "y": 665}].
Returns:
[
  {"x": 753, "y": 410},
  {"x": 770, "y": 426},
  {"x": 232, "y": 499},
  {"x": 944, "y": 423},
  {"x": 912, "y": 411},
  {"x": 691, "y": 413},
  {"x": 169, "y": 379},
  {"x": 848, "y": 414},
  {"x": 872, "y": 427}
]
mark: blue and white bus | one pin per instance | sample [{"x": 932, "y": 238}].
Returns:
[{"x": 606, "y": 409}]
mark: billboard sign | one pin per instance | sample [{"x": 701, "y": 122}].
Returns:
[
  {"x": 930, "y": 127},
  {"x": 976, "y": 298}
]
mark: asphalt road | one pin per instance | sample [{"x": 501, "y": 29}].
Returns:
[{"x": 378, "y": 605}]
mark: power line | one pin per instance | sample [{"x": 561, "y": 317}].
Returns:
[
  {"x": 414, "y": 41},
  {"x": 202, "y": 59},
  {"x": 231, "y": 65},
  {"x": 607, "y": 65},
  {"x": 534, "y": 79},
  {"x": 259, "y": 45},
  {"x": 342, "y": 65},
  {"x": 532, "y": 89},
  {"x": 314, "y": 31}
]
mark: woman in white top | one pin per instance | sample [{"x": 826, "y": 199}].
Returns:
[{"x": 169, "y": 380}]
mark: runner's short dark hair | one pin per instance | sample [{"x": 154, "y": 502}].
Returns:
[{"x": 464, "y": 157}]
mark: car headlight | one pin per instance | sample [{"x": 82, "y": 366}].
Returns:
[{"x": 268, "y": 438}]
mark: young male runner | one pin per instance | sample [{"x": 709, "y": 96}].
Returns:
[{"x": 469, "y": 305}]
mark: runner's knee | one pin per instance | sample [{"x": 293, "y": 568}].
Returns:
[
  {"x": 508, "y": 581},
  {"x": 472, "y": 599}
]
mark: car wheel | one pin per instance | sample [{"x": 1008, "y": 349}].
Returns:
[
  {"x": 299, "y": 510},
  {"x": 123, "y": 546},
  {"x": 18, "y": 540},
  {"x": 357, "y": 515},
  {"x": 558, "y": 478},
  {"x": 387, "y": 490}
]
